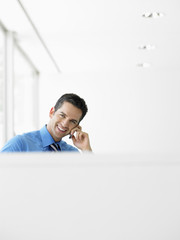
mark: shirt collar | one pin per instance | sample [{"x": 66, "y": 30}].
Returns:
[{"x": 46, "y": 137}]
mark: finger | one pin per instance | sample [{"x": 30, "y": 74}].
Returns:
[
  {"x": 80, "y": 136},
  {"x": 75, "y": 139},
  {"x": 78, "y": 128},
  {"x": 72, "y": 132}
]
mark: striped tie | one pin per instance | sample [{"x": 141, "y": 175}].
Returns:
[{"x": 55, "y": 147}]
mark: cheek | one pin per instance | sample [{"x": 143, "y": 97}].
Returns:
[
  {"x": 56, "y": 119},
  {"x": 73, "y": 126},
  {"x": 53, "y": 122}
]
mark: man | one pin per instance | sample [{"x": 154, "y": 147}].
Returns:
[{"x": 65, "y": 117}]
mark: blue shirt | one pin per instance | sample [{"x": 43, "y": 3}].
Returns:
[{"x": 36, "y": 141}]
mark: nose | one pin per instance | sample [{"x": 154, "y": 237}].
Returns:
[{"x": 65, "y": 123}]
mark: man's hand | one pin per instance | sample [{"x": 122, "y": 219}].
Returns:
[{"x": 81, "y": 140}]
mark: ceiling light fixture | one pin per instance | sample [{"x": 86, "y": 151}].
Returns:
[
  {"x": 146, "y": 47},
  {"x": 153, "y": 15},
  {"x": 143, "y": 65}
]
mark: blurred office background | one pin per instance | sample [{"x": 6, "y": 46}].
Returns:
[{"x": 122, "y": 57}]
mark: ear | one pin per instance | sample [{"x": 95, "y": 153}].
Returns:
[{"x": 51, "y": 113}]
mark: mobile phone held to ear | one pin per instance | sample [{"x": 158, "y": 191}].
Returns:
[
  {"x": 74, "y": 134},
  {"x": 71, "y": 135}
]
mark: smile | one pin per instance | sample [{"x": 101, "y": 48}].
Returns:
[{"x": 61, "y": 129}]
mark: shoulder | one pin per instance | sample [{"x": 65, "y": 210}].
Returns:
[
  {"x": 31, "y": 136},
  {"x": 13, "y": 145},
  {"x": 21, "y": 143},
  {"x": 67, "y": 147}
]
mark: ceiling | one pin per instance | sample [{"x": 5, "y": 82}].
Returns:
[{"x": 96, "y": 35}]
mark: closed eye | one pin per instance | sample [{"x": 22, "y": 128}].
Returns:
[
  {"x": 62, "y": 115},
  {"x": 74, "y": 121}
]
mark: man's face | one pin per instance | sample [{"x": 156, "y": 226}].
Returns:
[{"x": 63, "y": 120}]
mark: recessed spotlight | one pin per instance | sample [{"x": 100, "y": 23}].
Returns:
[
  {"x": 153, "y": 15},
  {"x": 146, "y": 47},
  {"x": 143, "y": 65}
]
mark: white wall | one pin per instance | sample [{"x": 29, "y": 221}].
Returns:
[{"x": 129, "y": 112}]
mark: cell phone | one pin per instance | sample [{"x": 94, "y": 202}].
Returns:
[{"x": 70, "y": 135}]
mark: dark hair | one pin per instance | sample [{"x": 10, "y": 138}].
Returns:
[{"x": 74, "y": 100}]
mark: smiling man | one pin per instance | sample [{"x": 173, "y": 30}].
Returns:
[{"x": 64, "y": 120}]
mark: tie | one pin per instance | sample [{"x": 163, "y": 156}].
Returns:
[{"x": 55, "y": 147}]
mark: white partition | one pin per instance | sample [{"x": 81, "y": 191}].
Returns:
[{"x": 85, "y": 197}]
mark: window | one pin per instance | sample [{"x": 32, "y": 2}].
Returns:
[
  {"x": 18, "y": 89},
  {"x": 25, "y": 93},
  {"x": 1, "y": 87}
]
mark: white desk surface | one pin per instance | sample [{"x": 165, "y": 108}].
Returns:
[{"x": 54, "y": 196}]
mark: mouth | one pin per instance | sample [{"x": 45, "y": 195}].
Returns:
[{"x": 61, "y": 129}]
